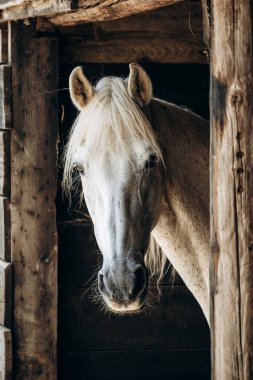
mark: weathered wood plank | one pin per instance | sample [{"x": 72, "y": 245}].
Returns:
[
  {"x": 5, "y": 97},
  {"x": 5, "y": 354},
  {"x": 5, "y": 313},
  {"x": 5, "y": 253},
  {"x": 206, "y": 23},
  {"x": 4, "y": 163},
  {"x": 168, "y": 50},
  {"x": 5, "y": 293},
  {"x": 4, "y": 43},
  {"x": 5, "y": 281},
  {"x": 175, "y": 323},
  {"x": 136, "y": 364},
  {"x": 95, "y": 11},
  {"x": 232, "y": 190},
  {"x": 22, "y": 9},
  {"x": 33, "y": 216},
  {"x": 173, "y": 21},
  {"x": 139, "y": 37}
]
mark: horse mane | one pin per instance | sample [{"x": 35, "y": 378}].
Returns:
[
  {"x": 158, "y": 264},
  {"x": 106, "y": 124}
]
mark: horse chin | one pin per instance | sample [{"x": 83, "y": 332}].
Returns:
[{"x": 131, "y": 308}]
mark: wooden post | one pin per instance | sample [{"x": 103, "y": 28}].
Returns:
[
  {"x": 231, "y": 275},
  {"x": 33, "y": 191},
  {"x": 5, "y": 254}
]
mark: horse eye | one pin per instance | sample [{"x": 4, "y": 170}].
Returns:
[
  {"x": 79, "y": 168},
  {"x": 152, "y": 162}
]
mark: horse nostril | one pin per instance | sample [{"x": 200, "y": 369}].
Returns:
[
  {"x": 102, "y": 286},
  {"x": 139, "y": 282}
]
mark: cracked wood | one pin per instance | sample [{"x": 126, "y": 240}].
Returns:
[{"x": 231, "y": 190}]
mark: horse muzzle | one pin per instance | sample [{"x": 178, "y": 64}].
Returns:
[{"x": 124, "y": 290}]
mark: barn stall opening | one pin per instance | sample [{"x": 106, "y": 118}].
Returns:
[{"x": 37, "y": 56}]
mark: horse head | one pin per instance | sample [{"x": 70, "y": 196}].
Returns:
[{"x": 116, "y": 152}]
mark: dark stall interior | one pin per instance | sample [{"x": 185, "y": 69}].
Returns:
[{"x": 171, "y": 340}]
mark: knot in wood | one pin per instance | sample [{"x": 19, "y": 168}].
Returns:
[
  {"x": 239, "y": 154},
  {"x": 240, "y": 170},
  {"x": 239, "y": 135},
  {"x": 237, "y": 98},
  {"x": 251, "y": 247}
]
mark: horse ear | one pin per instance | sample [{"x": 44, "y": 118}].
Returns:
[
  {"x": 139, "y": 85},
  {"x": 81, "y": 91}
]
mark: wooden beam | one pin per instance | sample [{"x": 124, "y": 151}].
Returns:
[
  {"x": 4, "y": 163},
  {"x": 5, "y": 96},
  {"x": 231, "y": 190},
  {"x": 174, "y": 20},
  {"x": 206, "y": 22},
  {"x": 104, "y": 10},
  {"x": 34, "y": 140},
  {"x": 173, "y": 50},
  {"x": 23, "y": 9},
  {"x": 5, "y": 229},
  {"x": 139, "y": 37}
]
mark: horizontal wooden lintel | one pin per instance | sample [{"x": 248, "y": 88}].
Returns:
[{"x": 72, "y": 12}]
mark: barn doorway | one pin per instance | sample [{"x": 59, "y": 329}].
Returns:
[{"x": 170, "y": 342}]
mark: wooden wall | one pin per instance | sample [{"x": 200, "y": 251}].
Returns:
[
  {"x": 173, "y": 340},
  {"x": 28, "y": 172},
  {"x": 172, "y": 34},
  {"x": 33, "y": 190},
  {"x": 170, "y": 342},
  {"x": 231, "y": 206},
  {"x": 5, "y": 185}
]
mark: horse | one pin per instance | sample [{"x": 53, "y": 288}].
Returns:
[{"x": 144, "y": 170}]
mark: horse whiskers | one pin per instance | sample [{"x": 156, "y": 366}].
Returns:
[
  {"x": 93, "y": 284},
  {"x": 152, "y": 302},
  {"x": 86, "y": 283}
]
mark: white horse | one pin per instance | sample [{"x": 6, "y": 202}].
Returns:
[{"x": 144, "y": 168}]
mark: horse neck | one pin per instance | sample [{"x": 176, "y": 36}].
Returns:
[
  {"x": 183, "y": 228},
  {"x": 184, "y": 139}
]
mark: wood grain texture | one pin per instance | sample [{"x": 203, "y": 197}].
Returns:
[
  {"x": 5, "y": 253},
  {"x": 174, "y": 39},
  {"x": 136, "y": 364},
  {"x": 17, "y": 10},
  {"x": 4, "y": 43},
  {"x": 95, "y": 11},
  {"x": 206, "y": 23},
  {"x": 173, "y": 21},
  {"x": 33, "y": 216},
  {"x": 5, "y": 96},
  {"x": 231, "y": 190},
  {"x": 5, "y": 293},
  {"x": 177, "y": 323},
  {"x": 5, "y": 354},
  {"x": 4, "y": 163},
  {"x": 170, "y": 50}
]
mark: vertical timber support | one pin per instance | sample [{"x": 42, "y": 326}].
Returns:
[
  {"x": 33, "y": 190},
  {"x": 5, "y": 184},
  {"x": 231, "y": 273}
]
